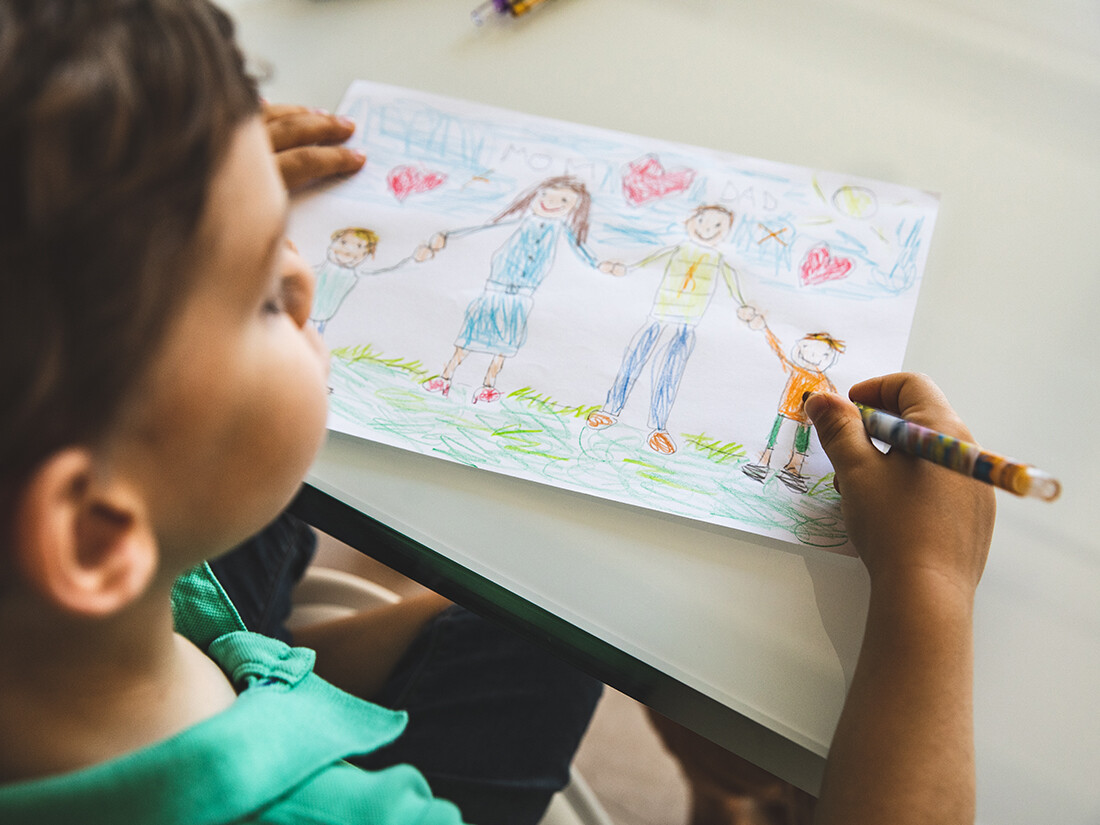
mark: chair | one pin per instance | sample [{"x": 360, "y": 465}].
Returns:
[{"x": 325, "y": 594}]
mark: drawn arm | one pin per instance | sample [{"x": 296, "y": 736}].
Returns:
[
  {"x": 581, "y": 250},
  {"x": 618, "y": 268},
  {"x": 659, "y": 255},
  {"x": 732, "y": 281},
  {"x": 777, "y": 348},
  {"x": 390, "y": 268},
  {"x": 426, "y": 251}
]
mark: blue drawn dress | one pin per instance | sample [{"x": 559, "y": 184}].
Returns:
[{"x": 496, "y": 321}]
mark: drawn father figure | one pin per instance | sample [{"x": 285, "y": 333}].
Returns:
[{"x": 692, "y": 271}]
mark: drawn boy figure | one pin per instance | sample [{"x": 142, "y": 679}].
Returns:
[
  {"x": 692, "y": 271},
  {"x": 809, "y": 360},
  {"x": 337, "y": 276}
]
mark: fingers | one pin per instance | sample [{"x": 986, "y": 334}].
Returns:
[
  {"x": 305, "y": 143},
  {"x": 297, "y": 126},
  {"x": 841, "y": 432},
  {"x": 306, "y": 164},
  {"x": 912, "y": 396}
]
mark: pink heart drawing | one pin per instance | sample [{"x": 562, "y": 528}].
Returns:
[
  {"x": 409, "y": 180},
  {"x": 645, "y": 179},
  {"x": 819, "y": 266}
]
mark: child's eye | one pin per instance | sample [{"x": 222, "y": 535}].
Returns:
[{"x": 274, "y": 305}]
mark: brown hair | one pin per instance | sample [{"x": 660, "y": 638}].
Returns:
[
  {"x": 368, "y": 236},
  {"x": 114, "y": 117},
  {"x": 836, "y": 345},
  {"x": 711, "y": 207},
  {"x": 578, "y": 218}
]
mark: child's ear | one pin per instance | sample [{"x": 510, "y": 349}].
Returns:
[{"x": 84, "y": 545}]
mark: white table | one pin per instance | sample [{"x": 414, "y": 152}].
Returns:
[{"x": 997, "y": 109}]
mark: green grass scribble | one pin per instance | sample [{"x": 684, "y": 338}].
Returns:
[
  {"x": 367, "y": 352},
  {"x": 714, "y": 449}
]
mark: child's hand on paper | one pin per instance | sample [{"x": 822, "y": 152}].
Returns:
[
  {"x": 913, "y": 522},
  {"x": 305, "y": 144}
]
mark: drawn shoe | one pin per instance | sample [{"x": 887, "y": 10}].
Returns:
[
  {"x": 487, "y": 394},
  {"x": 793, "y": 481},
  {"x": 757, "y": 472},
  {"x": 660, "y": 442},
  {"x": 599, "y": 419},
  {"x": 438, "y": 384}
]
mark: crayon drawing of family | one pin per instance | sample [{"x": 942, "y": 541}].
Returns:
[{"x": 553, "y": 212}]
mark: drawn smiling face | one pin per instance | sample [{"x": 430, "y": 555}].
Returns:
[
  {"x": 709, "y": 226},
  {"x": 348, "y": 250},
  {"x": 554, "y": 202},
  {"x": 814, "y": 353}
]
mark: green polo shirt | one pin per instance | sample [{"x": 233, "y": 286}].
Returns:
[{"x": 275, "y": 756}]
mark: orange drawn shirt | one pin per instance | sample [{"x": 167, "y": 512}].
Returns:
[{"x": 802, "y": 380}]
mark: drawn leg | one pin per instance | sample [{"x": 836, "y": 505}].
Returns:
[
  {"x": 488, "y": 391},
  {"x": 442, "y": 383},
  {"x": 759, "y": 471},
  {"x": 668, "y": 370},
  {"x": 791, "y": 475},
  {"x": 635, "y": 357}
]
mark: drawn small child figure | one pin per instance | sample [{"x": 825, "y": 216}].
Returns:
[
  {"x": 809, "y": 360},
  {"x": 347, "y": 250}
]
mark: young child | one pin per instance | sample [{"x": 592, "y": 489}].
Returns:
[{"x": 161, "y": 396}]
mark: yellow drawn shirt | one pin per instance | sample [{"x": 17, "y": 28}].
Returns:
[{"x": 689, "y": 281}]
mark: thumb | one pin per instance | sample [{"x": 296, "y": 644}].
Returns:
[{"x": 840, "y": 429}]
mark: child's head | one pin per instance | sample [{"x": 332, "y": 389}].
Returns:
[
  {"x": 150, "y": 378},
  {"x": 351, "y": 246},
  {"x": 709, "y": 224},
  {"x": 818, "y": 350}
]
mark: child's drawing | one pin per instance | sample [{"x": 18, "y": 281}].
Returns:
[
  {"x": 496, "y": 321},
  {"x": 338, "y": 274},
  {"x": 417, "y": 360},
  {"x": 806, "y": 366},
  {"x": 692, "y": 271}
]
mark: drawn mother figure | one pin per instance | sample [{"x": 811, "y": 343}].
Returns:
[{"x": 496, "y": 321}]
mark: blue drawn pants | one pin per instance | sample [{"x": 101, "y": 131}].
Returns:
[
  {"x": 494, "y": 721},
  {"x": 668, "y": 368}
]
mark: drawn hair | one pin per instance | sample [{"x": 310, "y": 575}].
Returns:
[
  {"x": 366, "y": 235},
  {"x": 578, "y": 218},
  {"x": 711, "y": 207},
  {"x": 116, "y": 115},
  {"x": 837, "y": 345}
]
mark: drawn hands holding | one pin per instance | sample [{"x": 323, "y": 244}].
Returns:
[
  {"x": 426, "y": 251},
  {"x": 616, "y": 268},
  {"x": 751, "y": 316}
]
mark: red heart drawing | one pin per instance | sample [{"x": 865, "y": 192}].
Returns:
[
  {"x": 645, "y": 179},
  {"x": 819, "y": 266},
  {"x": 408, "y": 180}
]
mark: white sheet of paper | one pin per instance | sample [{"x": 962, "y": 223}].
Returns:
[{"x": 814, "y": 252}]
